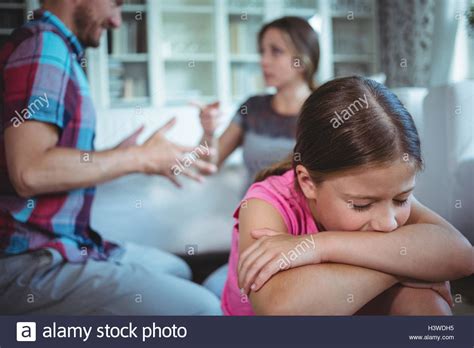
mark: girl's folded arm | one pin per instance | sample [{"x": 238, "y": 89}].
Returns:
[
  {"x": 426, "y": 248},
  {"x": 325, "y": 289},
  {"x": 311, "y": 289}
]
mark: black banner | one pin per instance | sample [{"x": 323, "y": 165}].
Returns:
[{"x": 113, "y": 331}]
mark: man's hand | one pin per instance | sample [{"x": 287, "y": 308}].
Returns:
[
  {"x": 158, "y": 155},
  {"x": 131, "y": 139}
]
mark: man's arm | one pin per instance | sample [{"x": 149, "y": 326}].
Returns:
[
  {"x": 36, "y": 165},
  {"x": 312, "y": 289},
  {"x": 426, "y": 248}
]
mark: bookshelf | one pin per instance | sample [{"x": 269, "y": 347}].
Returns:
[
  {"x": 355, "y": 38},
  {"x": 189, "y": 51},
  {"x": 128, "y": 58},
  {"x": 244, "y": 25},
  {"x": 206, "y": 50},
  {"x": 13, "y": 13}
]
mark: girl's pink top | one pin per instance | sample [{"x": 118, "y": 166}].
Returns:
[{"x": 280, "y": 192}]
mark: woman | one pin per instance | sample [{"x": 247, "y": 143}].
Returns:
[{"x": 265, "y": 125}]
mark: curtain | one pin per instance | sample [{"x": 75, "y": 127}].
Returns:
[
  {"x": 423, "y": 43},
  {"x": 406, "y": 41}
]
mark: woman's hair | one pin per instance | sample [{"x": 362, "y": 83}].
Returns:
[
  {"x": 299, "y": 34},
  {"x": 349, "y": 123}
]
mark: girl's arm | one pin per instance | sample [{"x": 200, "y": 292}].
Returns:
[
  {"x": 323, "y": 289},
  {"x": 426, "y": 248}
]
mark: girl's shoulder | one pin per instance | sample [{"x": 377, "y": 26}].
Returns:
[{"x": 280, "y": 192}]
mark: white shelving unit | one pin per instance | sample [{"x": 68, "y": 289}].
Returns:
[
  {"x": 13, "y": 13},
  {"x": 355, "y": 37},
  {"x": 167, "y": 53},
  {"x": 128, "y": 57},
  {"x": 206, "y": 50}
]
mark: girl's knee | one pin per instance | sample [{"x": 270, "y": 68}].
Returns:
[
  {"x": 436, "y": 304},
  {"x": 411, "y": 301}
]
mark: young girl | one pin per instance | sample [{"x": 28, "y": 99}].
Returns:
[
  {"x": 336, "y": 230},
  {"x": 265, "y": 125}
]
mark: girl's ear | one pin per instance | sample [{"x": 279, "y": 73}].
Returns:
[{"x": 306, "y": 183}]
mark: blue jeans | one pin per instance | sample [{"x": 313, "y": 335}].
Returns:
[
  {"x": 216, "y": 280},
  {"x": 143, "y": 281}
]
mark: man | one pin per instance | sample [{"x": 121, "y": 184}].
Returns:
[{"x": 51, "y": 261}]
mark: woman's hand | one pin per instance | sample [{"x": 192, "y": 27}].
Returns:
[
  {"x": 274, "y": 252},
  {"x": 209, "y": 116},
  {"x": 443, "y": 288}
]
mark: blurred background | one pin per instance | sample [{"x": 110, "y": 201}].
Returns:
[{"x": 168, "y": 53}]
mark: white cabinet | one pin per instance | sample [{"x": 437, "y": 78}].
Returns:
[
  {"x": 354, "y": 37},
  {"x": 170, "y": 52},
  {"x": 13, "y": 13},
  {"x": 167, "y": 53}
]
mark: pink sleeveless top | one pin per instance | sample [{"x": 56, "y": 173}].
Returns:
[{"x": 280, "y": 192}]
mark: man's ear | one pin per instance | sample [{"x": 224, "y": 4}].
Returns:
[{"x": 306, "y": 183}]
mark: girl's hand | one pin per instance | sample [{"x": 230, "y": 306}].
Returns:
[
  {"x": 443, "y": 288},
  {"x": 274, "y": 252},
  {"x": 209, "y": 116}
]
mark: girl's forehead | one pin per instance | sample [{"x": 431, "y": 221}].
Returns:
[{"x": 376, "y": 181}]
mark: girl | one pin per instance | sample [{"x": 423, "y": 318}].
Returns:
[
  {"x": 337, "y": 230},
  {"x": 265, "y": 126}
]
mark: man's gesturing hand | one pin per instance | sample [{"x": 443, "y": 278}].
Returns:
[{"x": 158, "y": 155}]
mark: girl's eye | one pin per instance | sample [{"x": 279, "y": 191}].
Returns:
[
  {"x": 400, "y": 202},
  {"x": 361, "y": 207}
]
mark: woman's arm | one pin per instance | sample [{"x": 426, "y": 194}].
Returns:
[
  {"x": 312, "y": 289},
  {"x": 219, "y": 148},
  {"x": 426, "y": 248},
  {"x": 222, "y": 147}
]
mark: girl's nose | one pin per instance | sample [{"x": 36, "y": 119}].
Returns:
[{"x": 386, "y": 222}]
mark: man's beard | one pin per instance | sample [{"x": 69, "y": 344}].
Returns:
[{"x": 84, "y": 22}]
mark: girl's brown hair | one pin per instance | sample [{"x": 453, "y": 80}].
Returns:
[
  {"x": 347, "y": 123},
  {"x": 304, "y": 39}
]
